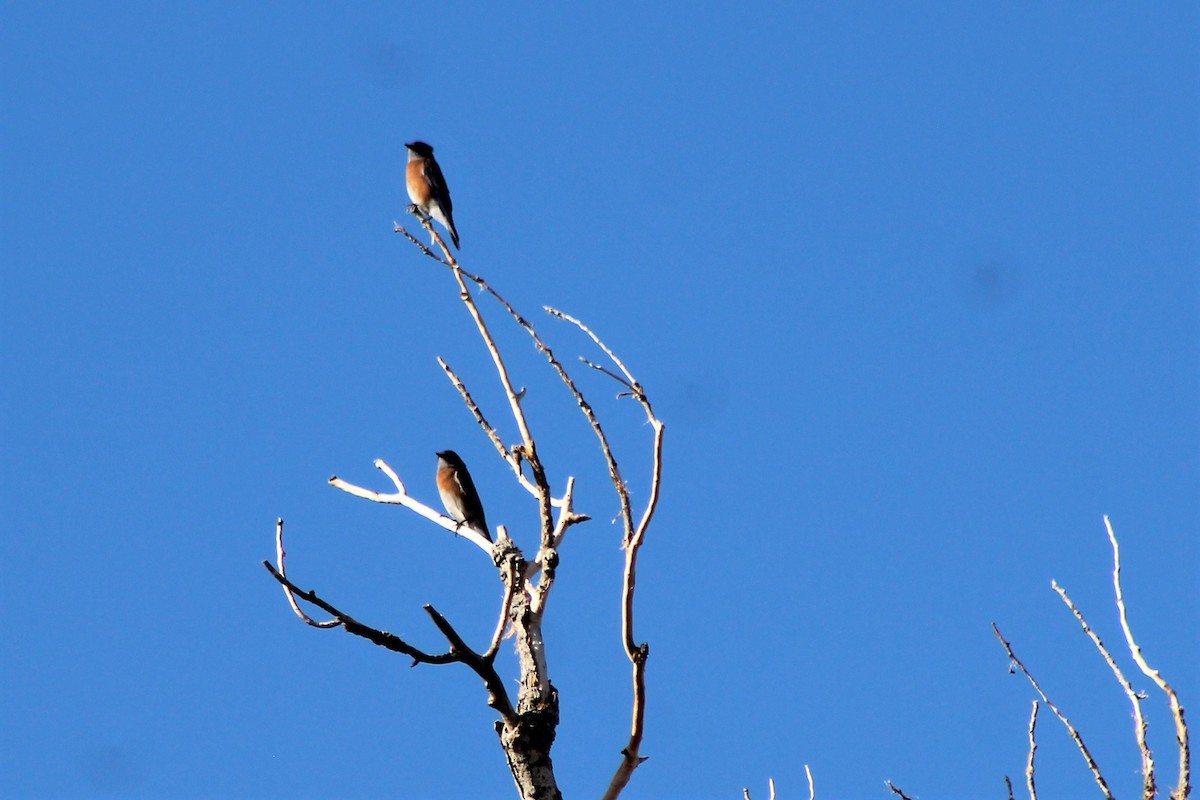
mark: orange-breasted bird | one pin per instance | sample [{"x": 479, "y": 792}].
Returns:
[
  {"x": 427, "y": 188},
  {"x": 458, "y": 493}
]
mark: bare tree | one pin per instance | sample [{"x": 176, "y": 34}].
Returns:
[{"x": 526, "y": 727}]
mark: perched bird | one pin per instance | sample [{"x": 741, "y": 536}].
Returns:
[
  {"x": 458, "y": 493},
  {"x": 427, "y": 187}
]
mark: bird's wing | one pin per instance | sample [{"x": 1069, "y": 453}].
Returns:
[
  {"x": 437, "y": 183},
  {"x": 472, "y": 504},
  {"x": 466, "y": 485}
]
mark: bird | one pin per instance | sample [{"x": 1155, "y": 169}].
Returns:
[
  {"x": 458, "y": 493},
  {"x": 427, "y": 188}
]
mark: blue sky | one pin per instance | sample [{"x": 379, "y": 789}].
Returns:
[{"x": 915, "y": 290}]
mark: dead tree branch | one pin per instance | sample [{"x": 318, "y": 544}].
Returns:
[
  {"x": 1183, "y": 787},
  {"x": 509, "y": 456},
  {"x": 1032, "y": 751},
  {"x": 401, "y": 498},
  {"x": 1149, "y": 789},
  {"x": 770, "y": 787},
  {"x": 1087, "y": 756},
  {"x": 420, "y": 245},
  {"x": 631, "y": 757},
  {"x": 281, "y": 571},
  {"x": 459, "y": 652}
]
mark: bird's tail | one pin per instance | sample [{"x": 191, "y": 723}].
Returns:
[{"x": 440, "y": 214}]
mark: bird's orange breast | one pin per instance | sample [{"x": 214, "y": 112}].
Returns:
[
  {"x": 447, "y": 481},
  {"x": 419, "y": 190}
]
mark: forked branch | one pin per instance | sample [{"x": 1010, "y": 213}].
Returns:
[
  {"x": 459, "y": 652},
  {"x": 1184, "y": 786},
  {"x": 1149, "y": 790},
  {"x": 634, "y": 535},
  {"x": 401, "y": 497}
]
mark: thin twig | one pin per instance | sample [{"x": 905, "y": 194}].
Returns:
[
  {"x": 510, "y": 587},
  {"x": 424, "y": 247},
  {"x": 1032, "y": 750},
  {"x": 1149, "y": 790},
  {"x": 434, "y": 237},
  {"x": 629, "y": 379},
  {"x": 1087, "y": 756},
  {"x": 509, "y": 457},
  {"x": 1183, "y": 788},
  {"x": 547, "y": 557},
  {"x": 382, "y": 638},
  {"x": 488, "y": 429},
  {"x": 606, "y": 371},
  {"x": 771, "y": 786},
  {"x": 567, "y": 517},
  {"x": 614, "y": 471},
  {"x": 497, "y": 695},
  {"x": 1008, "y": 783},
  {"x": 634, "y": 536},
  {"x": 282, "y": 571},
  {"x": 896, "y": 790},
  {"x": 401, "y": 498}
]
